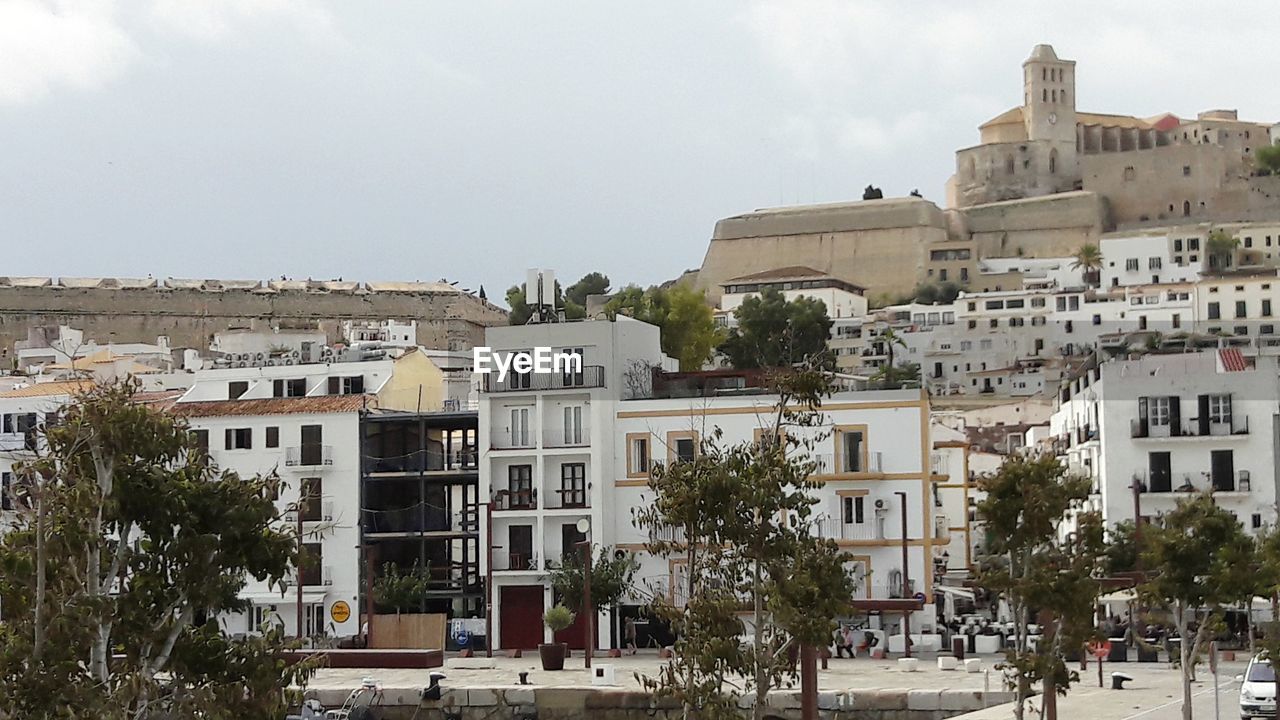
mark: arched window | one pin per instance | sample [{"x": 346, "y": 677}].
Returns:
[
  {"x": 1053, "y": 161},
  {"x": 1044, "y": 95},
  {"x": 1055, "y": 96},
  {"x": 1008, "y": 164},
  {"x": 1186, "y": 208},
  {"x": 1044, "y": 73}
]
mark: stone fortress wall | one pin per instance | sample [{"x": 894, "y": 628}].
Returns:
[{"x": 189, "y": 312}]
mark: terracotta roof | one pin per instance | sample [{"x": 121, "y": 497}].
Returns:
[
  {"x": 1232, "y": 360},
  {"x": 1014, "y": 116},
  {"x": 793, "y": 272},
  {"x": 272, "y": 406},
  {"x": 67, "y": 387}
]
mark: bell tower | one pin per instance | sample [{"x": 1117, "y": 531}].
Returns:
[{"x": 1049, "y": 96}]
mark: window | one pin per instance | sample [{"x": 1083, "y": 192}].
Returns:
[
  {"x": 1248, "y": 241},
  {"x": 1176, "y": 320},
  {"x": 685, "y": 449},
  {"x": 239, "y": 438},
  {"x": 1053, "y": 154},
  {"x": 638, "y": 455},
  {"x": 1214, "y": 311},
  {"x": 966, "y": 345},
  {"x": 984, "y": 344},
  {"x": 1186, "y": 170},
  {"x": 572, "y": 374},
  {"x": 1037, "y": 302},
  {"x": 312, "y": 450},
  {"x": 1257, "y": 520},
  {"x": 1177, "y": 244},
  {"x": 273, "y": 436},
  {"x": 1219, "y": 408},
  {"x": 296, "y": 387},
  {"x": 312, "y": 560},
  {"x": 6, "y": 485},
  {"x": 573, "y": 485},
  {"x": 851, "y": 449},
  {"x": 573, "y": 428},
  {"x": 853, "y": 509},
  {"x": 202, "y": 440},
  {"x": 1266, "y": 329},
  {"x": 1240, "y": 308},
  {"x": 1193, "y": 243},
  {"x": 1266, "y": 308},
  {"x": 236, "y": 389},
  {"x": 311, "y": 493},
  {"x": 1012, "y": 304},
  {"x": 1008, "y": 165},
  {"x": 1131, "y": 264},
  {"x": 1159, "y": 411},
  {"x": 349, "y": 385},
  {"x": 1154, "y": 263},
  {"x": 520, "y": 487}
]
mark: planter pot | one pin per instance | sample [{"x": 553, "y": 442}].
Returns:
[{"x": 552, "y": 655}]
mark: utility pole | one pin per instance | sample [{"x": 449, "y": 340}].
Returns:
[
  {"x": 589, "y": 625},
  {"x": 301, "y": 554},
  {"x": 488, "y": 579},
  {"x": 906, "y": 577}
]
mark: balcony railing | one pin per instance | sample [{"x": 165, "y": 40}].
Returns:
[
  {"x": 1190, "y": 428},
  {"x": 941, "y": 526},
  {"x": 503, "y": 560},
  {"x": 938, "y": 464},
  {"x": 16, "y": 442},
  {"x": 567, "y": 437},
  {"x": 1158, "y": 483},
  {"x": 568, "y": 499},
  {"x": 423, "y": 461},
  {"x": 508, "y": 440},
  {"x": 592, "y": 376},
  {"x": 833, "y": 528},
  {"x": 422, "y": 517},
  {"x": 827, "y": 464},
  {"x": 308, "y": 455},
  {"x": 515, "y": 500}
]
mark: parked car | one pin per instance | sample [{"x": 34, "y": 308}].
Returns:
[{"x": 1257, "y": 690}]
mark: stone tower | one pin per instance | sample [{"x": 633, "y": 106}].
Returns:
[{"x": 1049, "y": 111}]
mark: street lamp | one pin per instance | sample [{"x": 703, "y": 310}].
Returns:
[{"x": 584, "y": 526}]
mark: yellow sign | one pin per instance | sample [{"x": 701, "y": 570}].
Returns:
[{"x": 340, "y": 612}]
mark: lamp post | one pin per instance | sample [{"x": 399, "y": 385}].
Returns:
[{"x": 906, "y": 577}]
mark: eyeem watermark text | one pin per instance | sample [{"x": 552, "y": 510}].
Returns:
[{"x": 540, "y": 360}]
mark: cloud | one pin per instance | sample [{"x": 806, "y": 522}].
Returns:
[
  {"x": 212, "y": 20},
  {"x": 881, "y": 136},
  {"x": 48, "y": 45}
]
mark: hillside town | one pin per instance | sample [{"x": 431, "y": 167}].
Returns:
[{"x": 1096, "y": 293}]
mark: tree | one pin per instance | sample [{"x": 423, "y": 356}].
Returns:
[
  {"x": 933, "y": 293},
  {"x": 1221, "y": 248},
  {"x": 1123, "y": 548},
  {"x": 1201, "y": 559},
  {"x": 402, "y": 591},
  {"x": 745, "y": 521},
  {"x": 1088, "y": 260},
  {"x": 896, "y": 377},
  {"x": 684, "y": 318},
  {"x": 612, "y": 576},
  {"x": 1035, "y": 568},
  {"x": 572, "y": 301},
  {"x": 774, "y": 332},
  {"x": 1268, "y": 159},
  {"x": 129, "y": 545}
]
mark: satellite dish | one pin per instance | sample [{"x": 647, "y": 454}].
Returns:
[{"x": 584, "y": 525}]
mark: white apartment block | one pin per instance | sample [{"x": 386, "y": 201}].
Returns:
[
  {"x": 23, "y": 411},
  {"x": 561, "y": 448},
  {"x": 1171, "y": 425}
]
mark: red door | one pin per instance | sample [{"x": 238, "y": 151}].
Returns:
[
  {"x": 520, "y": 617},
  {"x": 576, "y": 634}
]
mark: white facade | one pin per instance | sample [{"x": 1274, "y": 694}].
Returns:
[
  {"x": 22, "y": 412},
  {"x": 1173, "y": 424},
  {"x": 1149, "y": 259},
  {"x": 545, "y": 469}
]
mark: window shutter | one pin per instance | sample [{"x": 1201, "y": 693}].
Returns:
[
  {"x": 277, "y": 388},
  {"x": 1203, "y": 401},
  {"x": 1142, "y": 417},
  {"x": 335, "y": 386},
  {"x": 230, "y": 438},
  {"x": 1175, "y": 415}
]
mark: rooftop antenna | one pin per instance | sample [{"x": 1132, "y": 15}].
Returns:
[{"x": 540, "y": 294}]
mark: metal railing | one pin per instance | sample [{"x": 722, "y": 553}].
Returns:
[
  {"x": 508, "y": 440},
  {"x": 423, "y": 461},
  {"x": 502, "y": 560},
  {"x": 422, "y": 517},
  {"x": 592, "y": 376},
  {"x": 827, "y": 464},
  {"x": 834, "y": 528},
  {"x": 308, "y": 455},
  {"x": 1158, "y": 483},
  {"x": 560, "y": 437},
  {"x": 568, "y": 498},
  {"x": 515, "y": 500},
  {"x": 1190, "y": 428}
]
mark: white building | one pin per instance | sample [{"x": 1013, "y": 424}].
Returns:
[
  {"x": 558, "y": 449},
  {"x": 1174, "y": 424},
  {"x": 842, "y": 299},
  {"x": 1150, "y": 259},
  {"x": 23, "y": 411}
]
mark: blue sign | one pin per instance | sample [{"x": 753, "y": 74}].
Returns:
[{"x": 462, "y": 637}]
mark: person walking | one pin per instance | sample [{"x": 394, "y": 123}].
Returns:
[
  {"x": 845, "y": 642},
  {"x": 629, "y": 633}
]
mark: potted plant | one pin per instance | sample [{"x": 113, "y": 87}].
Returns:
[{"x": 557, "y": 618}]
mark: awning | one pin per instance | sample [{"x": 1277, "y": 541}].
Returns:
[
  {"x": 954, "y": 591},
  {"x": 309, "y": 597}
]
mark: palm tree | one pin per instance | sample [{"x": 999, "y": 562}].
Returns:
[
  {"x": 1221, "y": 247},
  {"x": 890, "y": 338},
  {"x": 1088, "y": 260}
]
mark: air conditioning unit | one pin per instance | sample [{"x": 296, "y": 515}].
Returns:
[
  {"x": 328, "y": 511},
  {"x": 327, "y": 574},
  {"x": 881, "y": 504},
  {"x": 290, "y": 361}
]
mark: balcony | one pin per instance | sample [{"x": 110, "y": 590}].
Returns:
[
  {"x": 1193, "y": 482},
  {"x": 1190, "y": 428},
  {"x": 414, "y": 519},
  {"x": 827, "y": 465},
  {"x": 313, "y": 576},
  {"x": 515, "y": 500},
  {"x": 592, "y": 376},
  {"x": 307, "y": 456},
  {"x": 563, "y": 437},
  {"x": 941, "y": 526},
  {"x": 1085, "y": 433},
  {"x": 939, "y": 464},
  {"x": 512, "y": 440},
  {"x": 832, "y": 528},
  {"x": 423, "y": 461}
]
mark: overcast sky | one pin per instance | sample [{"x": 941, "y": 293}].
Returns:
[{"x": 470, "y": 140}]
